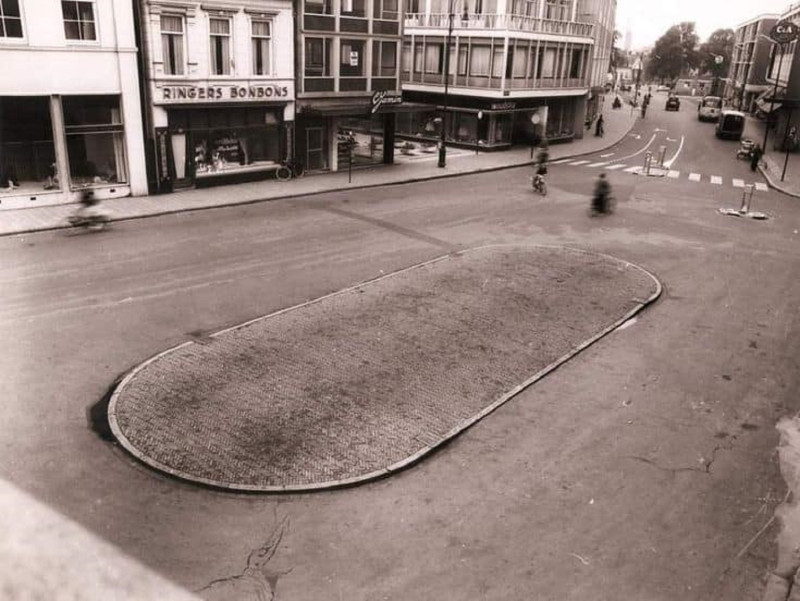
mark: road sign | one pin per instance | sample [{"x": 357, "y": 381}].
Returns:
[{"x": 784, "y": 32}]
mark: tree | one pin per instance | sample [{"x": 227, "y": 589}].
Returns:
[
  {"x": 618, "y": 59},
  {"x": 674, "y": 53},
  {"x": 719, "y": 43}
]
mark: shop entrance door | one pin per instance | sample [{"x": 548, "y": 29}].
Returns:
[{"x": 315, "y": 149}]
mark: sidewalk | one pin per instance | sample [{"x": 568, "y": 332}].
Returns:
[
  {"x": 774, "y": 161},
  {"x": 17, "y": 221}
]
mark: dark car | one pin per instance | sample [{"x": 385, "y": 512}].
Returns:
[{"x": 673, "y": 104}]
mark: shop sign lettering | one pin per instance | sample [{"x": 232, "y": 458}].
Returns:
[
  {"x": 503, "y": 106},
  {"x": 385, "y": 97},
  {"x": 206, "y": 93}
]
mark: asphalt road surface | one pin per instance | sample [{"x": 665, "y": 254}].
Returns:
[{"x": 642, "y": 469}]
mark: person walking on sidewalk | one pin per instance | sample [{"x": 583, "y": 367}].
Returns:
[
  {"x": 755, "y": 157},
  {"x": 599, "y": 127}
]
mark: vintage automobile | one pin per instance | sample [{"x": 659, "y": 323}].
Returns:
[
  {"x": 673, "y": 104},
  {"x": 709, "y": 108},
  {"x": 730, "y": 125}
]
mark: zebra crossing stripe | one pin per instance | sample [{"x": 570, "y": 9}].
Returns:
[
  {"x": 576, "y": 163},
  {"x": 598, "y": 164},
  {"x": 694, "y": 177},
  {"x": 762, "y": 187},
  {"x": 716, "y": 179},
  {"x": 674, "y": 174},
  {"x": 737, "y": 183}
]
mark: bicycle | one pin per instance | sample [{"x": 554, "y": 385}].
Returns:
[
  {"x": 288, "y": 170},
  {"x": 539, "y": 184}
]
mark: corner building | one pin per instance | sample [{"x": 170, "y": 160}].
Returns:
[
  {"x": 519, "y": 70},
  {"x": 70, "y": 116},
  {"x": 219, "y": 90}
]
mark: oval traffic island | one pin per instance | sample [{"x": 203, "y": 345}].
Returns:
[{"x": 360, "y": 383}]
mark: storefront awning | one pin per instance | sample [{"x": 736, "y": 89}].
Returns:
[{"x": 765, "y": 106}]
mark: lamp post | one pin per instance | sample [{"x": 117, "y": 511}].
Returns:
[{"x": 442, "y": 143}]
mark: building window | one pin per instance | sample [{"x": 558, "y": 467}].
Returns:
[
  {"x": 78, "y": 20},
  {"x": 262, "y": 42},
  {"x": 558, "y": 10},
  {"x": 318, "y": 7},
  {"x": 95, "y": 140},
  {"x": 480, "y": 57},
  {"x": 354, "y": 8},
  {"x": 384, "y": 59},
  {"x": 433, "y": 58},
  {"x": 220, "y": 30},
  {"x": 352, "y": 58},
  {"x": 10, "y": 19},
  {"x": 407, "y": 57},
  {"x": 27, "y": 151},
  {"x": 387, "y": 10},
  {"x": 318, "y": 57},
  {"x": 497, "y": 62},
  {"x": 172, "y": 44}
]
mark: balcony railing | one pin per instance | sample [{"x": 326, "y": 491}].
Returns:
[{"x": 500, "y": 22}]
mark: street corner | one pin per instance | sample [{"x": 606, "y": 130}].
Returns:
[{"x": 363, "y": 382}]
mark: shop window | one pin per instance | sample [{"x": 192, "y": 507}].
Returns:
[
  {"x": 318, "y": 7},
  {"x": 317, "y": 57},
  {"x": 27, "y": 151},
  {"x": 172, "y": 44},
  {"x": 354, "y": 8},
  {"x": 79, "y": 22},
  {"x": 220, "y": 30},
  {"x": 262, "y": 43},
  {"x": 10, "y": 19},
  {"x": 384, "y": 59},
  {"x": 387, "y": 10},
  {"x": 352, "y": 58},
  {"x": 95, "y": 140}
]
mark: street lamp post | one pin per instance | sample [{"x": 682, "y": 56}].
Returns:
[{"x": 442, "y": 142}]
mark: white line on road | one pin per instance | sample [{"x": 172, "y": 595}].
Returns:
[
  {"x": 694, "y": 177},
  {"x": 560, "y": 161},
  {"x": 668, "y": 164},
  {"x": 646, "y": 146},
  {"x": 617, "y": 166},
  {"x": 738, "y": 183},
  {"x": 576, "y": 163},
  {"x": 716, "y": 179},
  {"x": 598, "y": 164},
  {"x": 674, "y": 174},
  {"x": 605, "y": 156},
  {"x": 632, "y": 169},
  {"x": 762, "y": 187}
]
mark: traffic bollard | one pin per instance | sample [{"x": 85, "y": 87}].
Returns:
[
  {"x": 747, "y": 198},
  {"x": 662, "y": 150}
]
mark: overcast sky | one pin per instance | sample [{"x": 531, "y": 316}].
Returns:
[{"x": 648, "y": 20}]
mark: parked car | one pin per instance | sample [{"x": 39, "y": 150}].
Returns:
[
  {"x": 673, "y": 104},
  {"x": 662, "y": 89},
  {"x": 730, "y": 125},
  {"x": 709, "y": 108}
]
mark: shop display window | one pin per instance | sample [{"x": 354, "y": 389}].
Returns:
[
  {"x": 95, "y": 140},
  {"x": 27, "y": 151}
]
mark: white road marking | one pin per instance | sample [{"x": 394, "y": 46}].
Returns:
[
  {"x": 598, "y": 164},
  {"x": 560, "y": 161},
  {"x": 738, "y": 183},
  {"x": 668, "y": 164},
  {"x": 762, "y": 187},
  {"x": 671, "y": 140},
  {"x": 646, "y": 146},
  {"x": 674, "y": 174},
  {"x": 617, "y": 166},
  {"x": 576, "y": 163},
  {"x": 632, "y": 169},
  {"x": 605, "y": 156},
  {"x": 694, "y": 177},
  {"x": 716, "y": 179}
]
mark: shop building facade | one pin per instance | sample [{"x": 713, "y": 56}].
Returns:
[
  {"x": 70, "y": 115},
  {"x": 519, "y": 70},
  {"x": 602, "y": 13},
  {"x": 348, "y": 79},
  {"x": 747, "y": 75},
  {"x": 219, "y": 90}
]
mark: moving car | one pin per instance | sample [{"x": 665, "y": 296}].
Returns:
[
  {"x": 673, "y": 104},
  {"x": 709, "y": 108},
  {"x": 730, "y": 125}
]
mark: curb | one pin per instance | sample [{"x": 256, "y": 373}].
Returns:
[
  {"x": 775, "y": 186},
  {"x": 421, "y": 453},
  {"x": 289, "y": 196}
]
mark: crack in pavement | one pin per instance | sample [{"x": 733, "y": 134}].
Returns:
[
  {"x": 706, "y": 469},
  {"x": 258, "y": 581},
  {"x": 397, "y": 229}
]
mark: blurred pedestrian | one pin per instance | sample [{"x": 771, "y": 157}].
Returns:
[
  {"x": 599, "y": 128},
  {"x": 755, "y": 157}
]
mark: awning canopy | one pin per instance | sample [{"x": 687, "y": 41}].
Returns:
[{"x": 765, "y": 106}]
